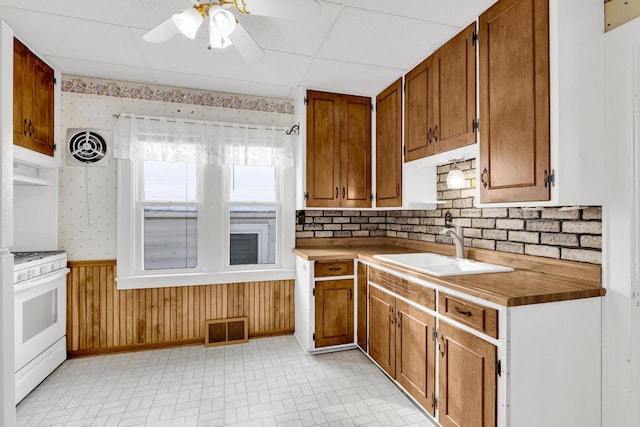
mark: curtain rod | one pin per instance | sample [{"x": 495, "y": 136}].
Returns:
[{"x": 293, "y": 130}]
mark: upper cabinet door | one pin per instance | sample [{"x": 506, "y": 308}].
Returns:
[
  {"x": 42, "y": 112},
  {"x": 22, "y": 93},
  {"x": 389, "y": 146},
  {"x": 514, "y": 101},
  {"x": 418, "y": 123},
  {"x": 355, "y": 151},
  {"x": 455, "y": 92},
  {"x": 323, "y": 149}
]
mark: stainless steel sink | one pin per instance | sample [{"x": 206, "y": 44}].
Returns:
[{"x": 441, "y": 265}]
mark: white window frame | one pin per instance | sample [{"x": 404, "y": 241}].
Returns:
[{"x": 213, "y": 240}]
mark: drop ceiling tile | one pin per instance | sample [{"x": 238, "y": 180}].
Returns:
[
  {"x": 57, "y": 36},
  {"x": 103, "y": 70},
  {"x": 181, "y": 55},
  {"x": 455, "y": 12},
  {"x": 379, "y": 39},
  {"x": 100, "y": 11},
  {"x": 301, "y": 37},
  {"x": 219, "y": 84},
  {"x": 351, "y": 78},
  {"x": 147, "y": 14}
]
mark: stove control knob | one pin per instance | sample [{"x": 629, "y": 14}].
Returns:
[
  {"x": 22, "y": 276},
  {"x": 45, "y": 269},
  {"x": 31, "y": 273}
]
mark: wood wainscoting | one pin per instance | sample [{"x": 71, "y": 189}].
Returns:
[{"x": 103, "y": 319}]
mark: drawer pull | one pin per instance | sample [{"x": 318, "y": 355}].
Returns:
[
  {"x": 335, "y": 268},
  {"x": 350, "y": 294},
  {"x": 464, "y": 313}
]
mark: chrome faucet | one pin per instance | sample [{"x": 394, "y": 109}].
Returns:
[{"x": 457, "y": 235}]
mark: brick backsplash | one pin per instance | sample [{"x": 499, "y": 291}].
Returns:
[{"x": 574, "y": 235}]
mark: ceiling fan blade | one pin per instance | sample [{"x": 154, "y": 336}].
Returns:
[
  {"x": 292, "y": 9},
  {"x": 246, "y": 45},
  {"x": 161, "y": 33}
]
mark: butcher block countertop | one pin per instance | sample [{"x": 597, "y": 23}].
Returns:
[{"x": 534, "y": 280}]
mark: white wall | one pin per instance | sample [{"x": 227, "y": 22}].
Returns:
[
  {"x": 620, "y": 400},
  {"x": 87, "y": 217}
]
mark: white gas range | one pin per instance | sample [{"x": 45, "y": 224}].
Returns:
[{"x": 40, "y": 286}]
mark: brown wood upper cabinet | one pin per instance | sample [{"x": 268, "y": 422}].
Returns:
[
  {"x": 33, "y": 106},
  {"x": 514, "y": 101},
  {"x": 440, "y": 99},
  {"x": 389, "y": 146},
  {"x": 338, "y": 150}
]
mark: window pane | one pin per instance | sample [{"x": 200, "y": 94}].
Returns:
[
  {"x": 170, "y": 181},
  {"x": 253, "y": 235},
  {"x": 252, "y": 184},
  {"x": 170, "y": 237}
]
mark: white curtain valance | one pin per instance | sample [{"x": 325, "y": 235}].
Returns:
[{"x": 175, "y": 140}]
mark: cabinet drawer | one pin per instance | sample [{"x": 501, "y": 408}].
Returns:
[
  {"x": 409, "y": 290},
  {"x": 476, "y": 316},
  {"x": 333, "y": 268}
]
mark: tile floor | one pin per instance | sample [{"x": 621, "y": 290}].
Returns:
[{"x": 266, "y": 382}]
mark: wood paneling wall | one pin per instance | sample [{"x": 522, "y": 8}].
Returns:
[{"x": 102, "y": 319}]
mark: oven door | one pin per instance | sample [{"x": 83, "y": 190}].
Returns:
[{"x": 40, "y": 314}]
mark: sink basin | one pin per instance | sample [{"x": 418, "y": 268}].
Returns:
[{"x": 441, "y": 265}]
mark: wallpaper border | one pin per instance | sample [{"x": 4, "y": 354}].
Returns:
[{"x": 132, "y": 90}]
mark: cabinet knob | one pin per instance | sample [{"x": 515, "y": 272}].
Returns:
[
  {"x": 397, "y": 190},
  {"x": 484, "y": 177},
  {"x": 24, "y": 127},
  {"x": 429, "y": 135},
  {"x": 344, "y": 193},
  {"x": 336, "y": 192},
  {"x": 435, "y": 134}
]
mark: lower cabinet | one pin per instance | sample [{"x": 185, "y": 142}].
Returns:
[
  {"x": 401, "y": 342},
  {"x": 334, "y": 312},
  {"x": 467, "y": 383},
  {"x": 472, "y": 363},
  {"x": 363, "y": 279},
  {"x": 325, "y": 298}
]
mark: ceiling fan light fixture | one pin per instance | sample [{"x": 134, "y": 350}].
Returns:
[
  {"x": 188, "y": 21},
  {"x": 217, "y": 41},
  {"x": 221, "y": 21}
]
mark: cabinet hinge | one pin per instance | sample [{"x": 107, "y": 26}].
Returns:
[
  {"x": 314, "y": 292},
  {"x": 306, "y": 195},
  {"x": 404, "y": 86},
  {"x": 434, "y": 334},
  {"x": 475, "y": 125},
  {"x": 549, "y": 178},
  {"x": 434, "y": 401},
  {"x": 314, "y": 336},
  {"x": 373, "y": 107},
  {"x": 55, "y": 81},
  {"x": 474, "y": 39},
  {"x": 306, "y": 100},
  {"x": 55, "y": 147},
  {"x": 498, "y": 367},
  {"x": 404, "y": 150}
]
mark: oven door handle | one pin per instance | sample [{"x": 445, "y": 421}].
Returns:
[{"x": 38, "y": 281}]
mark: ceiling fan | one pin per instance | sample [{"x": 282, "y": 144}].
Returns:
[{"x": 224, "y": 29}]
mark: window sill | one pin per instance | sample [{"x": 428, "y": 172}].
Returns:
[{"x": 196, "y": 279}]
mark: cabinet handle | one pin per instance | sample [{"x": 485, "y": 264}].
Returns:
[
  {"x": 391, "y": 315},
  {"x": 429, "y": 136},
  {"x": 343, "y": 192},
  {"x": 484, "y": 177},
  {"x": 350, "y": 294},
  {"x": 435, "y": 131},
  {"x": 32, "y": 128},
  {"x": 24, "y": 127},
  {"x": 463, "y": 312},
  {"x": 442, "y": 345},
  {"x": 336, "y": 192},
  {"x": 335, "y": 268},
  {"x": 397, "y": 190},
  {"x": 398, "y": 317}
]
